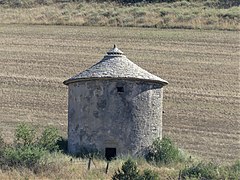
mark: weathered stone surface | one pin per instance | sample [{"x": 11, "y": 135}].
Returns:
[
  {"x": 114, "y": 104},
  {"x": 101, "y": 117}
]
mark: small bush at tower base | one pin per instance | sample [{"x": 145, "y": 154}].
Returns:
[
  {"x": 129, "y": 171},
  {"x": 164, "y": 152}
]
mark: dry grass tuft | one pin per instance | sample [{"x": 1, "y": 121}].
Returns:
[{"x": 61, "y": 166}]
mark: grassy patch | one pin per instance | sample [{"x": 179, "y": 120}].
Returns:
[
  {"x": 180, "y": 14},
  {"x": 211, "y": 171},
  {"x": 34, "y": 158}
]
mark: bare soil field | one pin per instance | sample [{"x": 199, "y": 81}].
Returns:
[{"x": 201, "y": 102}]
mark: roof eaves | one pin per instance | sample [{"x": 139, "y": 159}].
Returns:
[{"x": 69, "y": 81}]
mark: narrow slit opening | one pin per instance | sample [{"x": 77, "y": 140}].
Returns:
[{"x": 120, "y": 89}]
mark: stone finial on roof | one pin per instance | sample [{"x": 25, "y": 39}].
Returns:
[{"x": 114, "y": 51}]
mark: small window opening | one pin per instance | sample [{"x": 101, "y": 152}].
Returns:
[
  {"x": 120, "y": 89},
  {"x": 110, "y": 153}
]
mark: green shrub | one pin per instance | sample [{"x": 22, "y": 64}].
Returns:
[
  {"x": 149, "y": 175},
  {"x": 49, "y": 139},
  {"x": 201, "y": 170},
  {"x": 24, "y": 135},
  {"x": 163, "y": 151},
  {"x": 211, "y": 171},
  {"x": 27, "y": 151},
  {"x": 129, "y": 171},
  {"x": 24, "y": 152},
  {"x": 236, "y": 167},
  {"x": 234, "y": 170},
  {"x": 26, "y": 156}
]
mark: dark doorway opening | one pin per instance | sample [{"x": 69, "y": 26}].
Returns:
[{"x": 110, "y": 153}]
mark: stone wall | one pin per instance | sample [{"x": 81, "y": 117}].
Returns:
[{"x": 121, "y": 114}]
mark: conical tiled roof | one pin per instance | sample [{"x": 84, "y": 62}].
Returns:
[{"x": 115, "y": 65}]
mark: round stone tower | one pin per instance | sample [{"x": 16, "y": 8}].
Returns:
[{"x": 114, "y": 107}]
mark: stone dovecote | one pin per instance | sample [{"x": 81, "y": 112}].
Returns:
[{"x": 114, "y": 107}]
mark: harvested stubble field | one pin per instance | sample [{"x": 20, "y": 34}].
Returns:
[{"x": 201, "y": 102}]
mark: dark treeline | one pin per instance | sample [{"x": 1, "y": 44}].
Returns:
[
  {"x": 210, "y": 3},
  {"x": 217, "y": 3}
]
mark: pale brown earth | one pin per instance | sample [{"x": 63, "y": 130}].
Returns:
[{"x": 201, "y": 102}]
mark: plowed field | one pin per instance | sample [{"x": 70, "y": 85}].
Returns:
[{"x": 201, "y": 102}]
